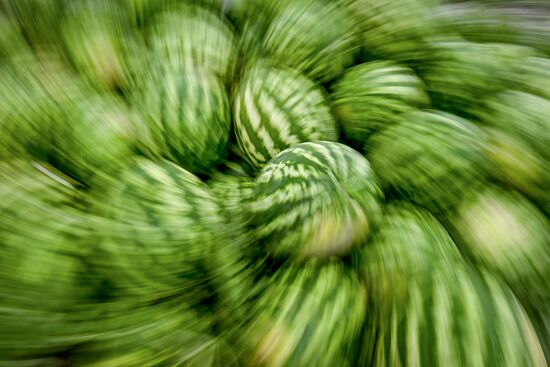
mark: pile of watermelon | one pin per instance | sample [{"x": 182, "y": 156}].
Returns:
[{"x": 274, "y": 183}]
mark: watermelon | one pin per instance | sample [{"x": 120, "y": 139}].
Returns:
[
  {"x": 308, "y": 314},
  {"x": 408, "y": 244},
  {"x": 97, "y": 41},
  {"x": 36, "y": 86},
  {"x": 234, "y": 190},
  {"x": 97, "y": 137},
  {"x": 512, "y": 22},
  {"x": 461, "y": 74},
  {"x": 519, "y": 141},
  {"x": 276, "y": 108},
  {"x": 38, "y": 19},
  {"x": 315, "y": 37},
  {"x": 123, "y": 334},
  {"x": 395, "y": 29},
  {"x": 192, "y": 34},
  {"x": 162, "y": 235},
  {"x": 43, "y": 273},
  {"x": 505, "y": 233},
  {"x": 460, "y": 318},
  {"x": 315, "y": 200},
  {"x": 372, "y": 95},
  {"x": 188, "y": 115},
  {"x": 534, "y": 76},
  {"x": 430, "y": 158},
  {"x": 11, "y": 40}
]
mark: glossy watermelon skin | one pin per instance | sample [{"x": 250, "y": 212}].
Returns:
[
  {"x": 308, "y": 314},
  {"x": 188, "y": 115},
  {"x": 457, "y": 318},
  {"x": 505, "y": 233},
  {"x": 315, "y": 200},
  {"x": 371, "y": 96},
  {"x": 315, "y": 37},
  {"x": 276, "y": 108},
  {"x": 430, "y": 158}
]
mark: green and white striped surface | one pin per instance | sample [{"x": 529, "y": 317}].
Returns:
[
  {"x": 276, "y": 108},
  {"x": 315, "y": 199}
]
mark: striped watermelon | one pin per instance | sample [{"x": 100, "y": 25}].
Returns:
[
  {"x": 461, "y": 74},
  {"x": 123, "y": 334},
  {"x": 188, "y": 114},
  {"x": 504, "y": 232},
  {"x": 162, "y": 226},
  {"x": 42, "y": 259},
  {"x": 315, "y": 199},
  {"x": 534, "y": 76},
  {"x": 372, "y": 95},
  {"x": 430, "y": 158},
  {"x": 395, "y": 29},
  {"x": 408, "y": 244},
  {"x": 459, "y": 318},
  {"x": 276, "y": 108},
  {"x": 313, "y": 36},
  {"x": 234, "y": 190},
  {"x": 519, "y": 142},
  {"x": 191, "y": 34},
  {"x": 309, "y": 314}
]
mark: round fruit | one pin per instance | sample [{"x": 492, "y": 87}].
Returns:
[
  {"x": 276, "y": 108},
  {"x": 315, "y": 200},
  {"x": 371, "y": 96},
  {"x": 315, "y": 37},
  {"x": 307, "y": 314},
  {"x": 430, "y": 158}
]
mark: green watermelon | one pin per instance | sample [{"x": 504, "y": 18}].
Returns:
[
  {"x": 38, "y": 19},
  {"x": 431, "y": 158},
  {"x": 163, "y": 236},
  {"x": 534, "y": 76},
  {"x": 97, "y": 40},
  {"x": 313, "y": 36},
  {"x": 97, "y": 138},
  {"x": 519, "y": 142},
  {"x": 234, "y": 190},
  {"x": 372, "y": 95},
  {"x": 43, "y": 272},
  {"x": 276, "y": 108},
  {"x": 308, "y": 314},
  {"x": 315, "y": 200},
  {"x": 188, "y": 115},
  {"x": 38, "y": 87},
  {"x": 512, "y": 22},
  {"x": 461, "y": 74},
  {"x": 395, "y": 29},
  {"x": 505, "y": 233},
  {"x": 459, "y": 318},
  {"x": 408, "y": 244},
  {"x": 123, "y": 334},
  {"x": 191, "y": 34}
]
